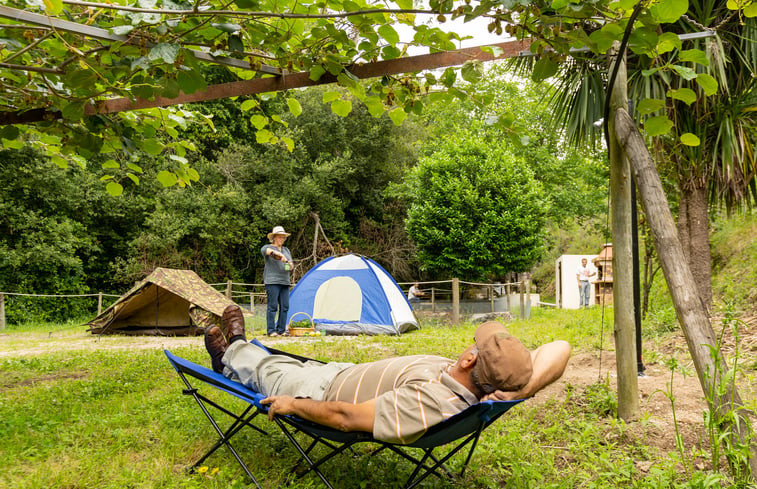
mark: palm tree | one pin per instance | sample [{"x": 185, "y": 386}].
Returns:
[{"x": 721, "y": 168}]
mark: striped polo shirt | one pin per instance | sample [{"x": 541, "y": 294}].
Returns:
[{"x": 412, "y": 394}]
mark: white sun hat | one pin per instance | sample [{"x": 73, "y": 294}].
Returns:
[{"x": 277, "y": 230}]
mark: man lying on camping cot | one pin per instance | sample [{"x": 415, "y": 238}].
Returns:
[{"x": 395, "y": 399}]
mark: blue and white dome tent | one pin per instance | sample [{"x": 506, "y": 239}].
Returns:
[{"x": 351, "y": 294}]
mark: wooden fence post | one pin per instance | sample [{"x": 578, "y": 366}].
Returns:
[
  {"x": 491, "y": 296},
  {"x": 2, "y": 312},
  {"x": 252, "y": 302},
  {"x": 455, "y": 301},
  {"x": 528, "y": 295},
  {"x": 228, "y": 289},
  {"x": 99, "y": 303},
  {"x": 433, "y": 300},
  {"x": 509, "y": 278},
  {"x": 522, "y": 290}
]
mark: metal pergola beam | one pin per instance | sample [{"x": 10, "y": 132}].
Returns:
[
  {"x": 283, "y": 82},
  {"x": 105, "y": 35}
]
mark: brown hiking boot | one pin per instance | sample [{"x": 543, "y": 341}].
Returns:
[
  {"x": 232, "y": 322},
  {"x": 216, "y": 345}
]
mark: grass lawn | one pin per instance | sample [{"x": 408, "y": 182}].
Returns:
[{"x": 82, "y": 412}]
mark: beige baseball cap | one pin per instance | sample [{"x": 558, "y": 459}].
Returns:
[{"x": 503, "y": 362}]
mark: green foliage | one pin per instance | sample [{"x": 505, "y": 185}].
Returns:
[
  {"x": 338, "y": 169},
  {"x": 45, "y": 241},
  {"x": 734, "y": 253},
  {"x": 600, "y": 398},
  {"x": 517, "y": 116},
  {"x": 190, "y": 228},
  {"x": 476, "y": 210},
  {"x": 573, "y": 181}
]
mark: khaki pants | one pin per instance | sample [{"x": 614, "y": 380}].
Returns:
[{"x": 274, "y": 375}]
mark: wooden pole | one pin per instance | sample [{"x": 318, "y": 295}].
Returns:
[
  {"x": 317, "y": 221},
  {"x": 2, "y": 312},
  {"x": 507, "y": 291},
  {"x": 252, "y": 302},
  {"x": 433, "y": 300},
  {"x": 522, "y": 291},
  {"x": 528, "y": 295},
  {"x": 622, "y": 258},
  {"x": 455, "y": 301},
  {"x": 491, "y": 296},
  {"x": 722, "y": 397},
  {"x": 99, "y": 303},
  {"x": 228, "y": 289}
]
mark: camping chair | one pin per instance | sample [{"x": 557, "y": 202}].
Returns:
[{"x": 463, "y": 428}]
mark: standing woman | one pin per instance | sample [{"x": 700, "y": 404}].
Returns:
[{"x": 278, "y": 265}]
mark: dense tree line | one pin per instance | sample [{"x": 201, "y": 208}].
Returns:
[{"x": 61, "y": 233}]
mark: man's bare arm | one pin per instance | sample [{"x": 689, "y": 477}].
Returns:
[
  {"x": 336, "y": 414},
  {"x": 549, "y": 362}
]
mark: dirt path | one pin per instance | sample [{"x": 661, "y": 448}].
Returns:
[
  {"x": 17, "y": 344},
  {"x": 656, "y": 408}
]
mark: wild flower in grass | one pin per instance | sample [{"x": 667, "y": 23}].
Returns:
[{"x": 207, "y": 471}]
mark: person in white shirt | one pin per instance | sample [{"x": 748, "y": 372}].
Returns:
[
  {"x": 583, "y": 274},
  {"x": 414, "y": 294}
]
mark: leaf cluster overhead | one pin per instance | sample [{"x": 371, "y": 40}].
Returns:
[{"x": 74, "y": 55}]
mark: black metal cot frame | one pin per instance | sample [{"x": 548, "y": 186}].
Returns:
[
  {"x": 250, "y": 412},
  {"x": 428, "y": 464},
  {"x": 464, "y": 429}
]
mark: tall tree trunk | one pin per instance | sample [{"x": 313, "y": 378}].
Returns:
[
  {"x": 683, "y": 225},
  {"x": 694, "y": 233},
  {"x": 719, "y": 389}
]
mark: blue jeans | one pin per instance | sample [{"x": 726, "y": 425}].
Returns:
[
  {"x": 584, "y": 293},
  {"x": 278, "y": 299}
]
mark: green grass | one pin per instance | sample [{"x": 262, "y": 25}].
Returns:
[
  {"x": 88, "y": 414},
  {"x": 734, "y": 245}
]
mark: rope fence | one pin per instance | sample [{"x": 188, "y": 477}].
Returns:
[
  {"x": 99, "y": 296},
  {"x": 440, "y": 292}
]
